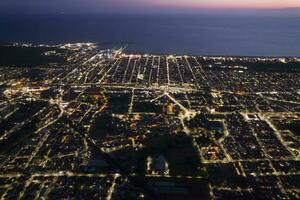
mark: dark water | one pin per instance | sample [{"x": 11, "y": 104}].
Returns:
[{"x": 181, "y": 34}]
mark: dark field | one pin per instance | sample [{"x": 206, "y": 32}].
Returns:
[{"x": 28, "y": 56}]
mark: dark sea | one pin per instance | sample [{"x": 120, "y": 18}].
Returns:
[{"x": 199, "y": 34}]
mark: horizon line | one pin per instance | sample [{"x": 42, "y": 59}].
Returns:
[{"x": 165, "y": 10}]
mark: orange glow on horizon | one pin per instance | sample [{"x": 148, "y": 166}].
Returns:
[{"x": 225, "y": 4}]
